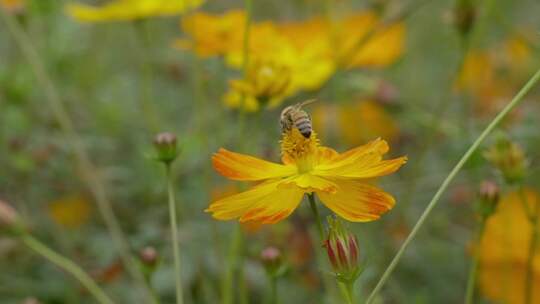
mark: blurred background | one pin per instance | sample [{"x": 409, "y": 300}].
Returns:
[{"x": 83, "y": 92}]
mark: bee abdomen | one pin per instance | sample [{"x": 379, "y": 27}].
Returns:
[{"x": 304, "y": 126}]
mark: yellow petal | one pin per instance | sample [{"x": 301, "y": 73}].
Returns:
[
  {"x": 266, "y": 204},
  {"x": 311, "y": 183},
  {"x": 244, "y": 167},
  {"x": 357, "y": 201},
  {"x": 362, "y": 162}
]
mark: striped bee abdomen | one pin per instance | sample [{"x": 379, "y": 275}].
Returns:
[{"x": 303, "y": 123}]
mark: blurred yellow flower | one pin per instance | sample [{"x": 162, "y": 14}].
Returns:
[
  {"x": 307, "y": 52},
  {"x": 376, "y": 121},
  {"x": 13, "y": 6},
  {"x": 124, "y": 10},
  {"x": 212, "y": 35},
  {"x": 490, "y": 75},
  {"x": 340, "y": 180},
  {"x": 343, "y": 120},
  {"x": 71, "y": 211},
  {"x": 504, "y": 251},
  {"x": 267, "y": 84},
  {"x": 342, "y": 41},
  {"x": 382, "y": 49}
]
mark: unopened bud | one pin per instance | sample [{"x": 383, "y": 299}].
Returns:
[
  {"x": 488, "y": 198},
  {"x": 509, "y": 158},
  {"x": 8, "y": 216},
  {"x": 166, "y": 147},
  {"x": 386, "y": 93},
  {"x": 149, "y": 256},
  {"x": 148, "y": 260},
  {"x": 343, "y": 251},
  {"x": 272, "y": 260}
]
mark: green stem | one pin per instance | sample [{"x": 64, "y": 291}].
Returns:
[
  {"x": 67, "y": 265},
  {"x": 273, "y": 289},
  {"x": 317, "y": 216},
  {"x": 174, "y": 236},
  {"x": 347, "y": 291},
  {"x": 87, "y": 168},
  {"x": 232, "y": 263},
  {"x": 533, "y": 244},
  {"x": 146, "y": 102},
  {"x": 471, "y": 281},
  {"x": 487, "y": 131},
  {"x": 248, "y": 6}
]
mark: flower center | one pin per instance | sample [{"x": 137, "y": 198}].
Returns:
[{"x": 300, "y": 150}]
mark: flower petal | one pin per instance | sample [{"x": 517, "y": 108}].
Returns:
[
  {"x": 357, "y": 201},
  {"x": 310, "y": 183},
  {"x": 362, "y": 162},
  {"x": 248, "y": 168},
  {"x": 266, "y": 204}
]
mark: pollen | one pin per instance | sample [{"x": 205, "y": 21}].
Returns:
[{"x": 298, "y": 149}]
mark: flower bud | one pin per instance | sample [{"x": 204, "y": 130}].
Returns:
[
  {"x": 149, "y": 256},
  {"x": 272, "y": 260},
  {"x": 9, "y": 219},
  {"x": 148, "y": 259},
  {"x": 8, "y": 216},
  {"x": 343, "y": 252},
  {"x": 509, "y": 158},
  {"x": 488, "y": 198},
  {"x": 166, "y": 147}
]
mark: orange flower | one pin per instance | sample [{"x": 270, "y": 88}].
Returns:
[
  {"x": 504, "y": 251},
  {"x": 212, "y": 35},
  {"x": 339, "y": 179}
]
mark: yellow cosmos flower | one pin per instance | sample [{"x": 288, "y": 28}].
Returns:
[
  {"x": 124, "y": 10},
  {"x": 213, "y": 35},
  {"x": 340, "y": 180},
  {"x": 266, "y": 84},
  {"x": 491, "y": 75},
  {"x": 341, "y": 40},
  {"x": 382, "y": 49},
  {"x": 376, "y": 120},
  {"x": 504, "y": 251}
]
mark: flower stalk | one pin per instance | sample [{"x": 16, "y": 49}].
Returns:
[
  {"x": 316, "y": 214},
  {"x": 166, "y": 153},
  {"x": 473, "y": 271},
  {"x": 518, "y": 98},
  {"x": 68, "y": 266}
]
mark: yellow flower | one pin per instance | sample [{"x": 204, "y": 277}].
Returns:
[
  {"x": 342, "y": 40},
  {"x": 213, "y": 35},
  {"x": 376, "y": 121},
  {"x": 380, "y": 50},
  {"x": 70, "y": 212},
  {"x": 123, "y": 10},
  {"x": 490, "y": 75},
  {"x": 504, "y": 251},
  {"x": 340, "y": 180},
  {"x": 266, "y": 84}
]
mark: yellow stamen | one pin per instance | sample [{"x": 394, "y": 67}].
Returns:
[{"x": 301, "y": 150}]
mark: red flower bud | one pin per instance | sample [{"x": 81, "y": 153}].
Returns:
[{"x": 342, "y": 250}]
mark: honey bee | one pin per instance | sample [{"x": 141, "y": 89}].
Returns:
[{"x": 294, "y": 116}]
